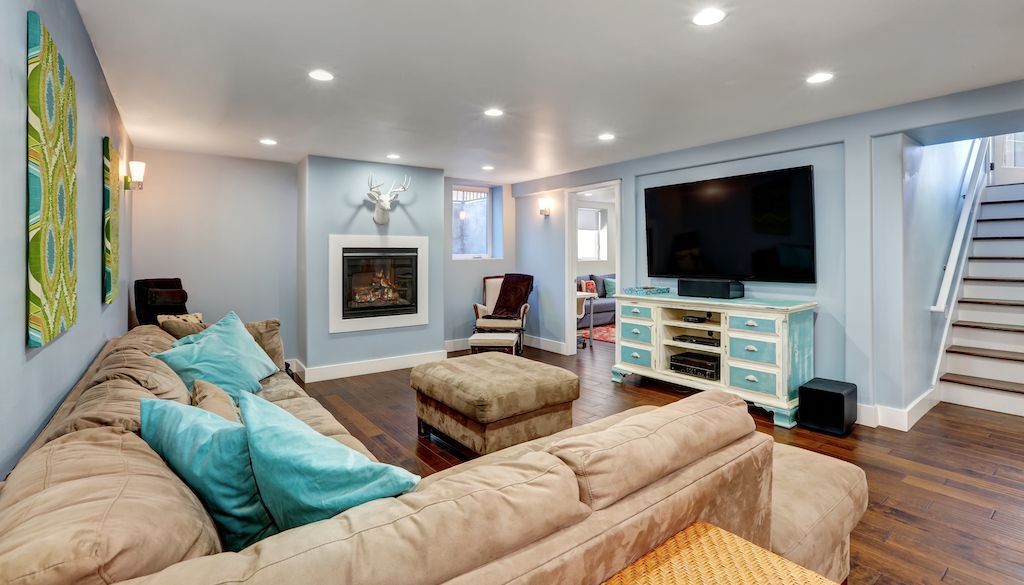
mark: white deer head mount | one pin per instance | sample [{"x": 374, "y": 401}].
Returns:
[{"x": 384, "y": 201}]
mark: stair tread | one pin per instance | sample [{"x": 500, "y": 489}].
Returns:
[
  {"x": 997, "y": 302},
  {"x": 995, "y": 257},
  {"x": 999, "y": 237},
  {"x": 1002, "y": 219},
  {"x": 990, "y": 326},
  {"x": 998, "y": 354},
  {"x": 1002, "y": 202},
  {"x": 983, "y": 382},
  {"x": 992, "y": 279}
]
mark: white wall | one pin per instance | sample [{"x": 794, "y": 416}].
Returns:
[
  {"x": 464, "y": 278},
  {"x": 35, "y": 381},
  {"x": 228, "y": 228}
]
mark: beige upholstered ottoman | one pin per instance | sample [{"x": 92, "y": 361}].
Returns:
[{"x": 489, "y": 401}]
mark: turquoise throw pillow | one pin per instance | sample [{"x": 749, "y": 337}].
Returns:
[
  {"x": 211, "y": 455},
  {"x": 305, "y": 476},
  {"x": 224, "y": 354},
  {"x": 609, "y": 286}
]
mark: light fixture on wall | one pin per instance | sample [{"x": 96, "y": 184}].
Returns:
[
  {"x": 462, "y": 215},
  {"x": 545, "y": 206},
  {"x": 136, "y": 172}
]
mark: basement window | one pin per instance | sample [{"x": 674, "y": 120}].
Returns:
[
  {"x": 471, "y": 222},
  {"x": 592, "y": 234}
]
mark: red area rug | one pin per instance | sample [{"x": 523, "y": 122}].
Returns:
[{"x": 605, "y": 333}]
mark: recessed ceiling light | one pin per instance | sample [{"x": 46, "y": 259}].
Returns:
[
  {"x": 820, "y": 77},
  {"x": 268, "y": 141},
  {"x": 588, "y": 194},
  {"x": 321, "y": 75},
  {"x": 494, "y": 112},
  {"x": 394, "y": 156},
  {"x": 487, "y": 168},
  {"x": 709, "y": 16},
  {"x": 606, "y": 136}
]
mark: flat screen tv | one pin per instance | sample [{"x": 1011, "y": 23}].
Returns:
[{"x": 756, "y": 227}]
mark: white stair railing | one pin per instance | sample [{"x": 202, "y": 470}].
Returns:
[{"x": 976, "y": 178}]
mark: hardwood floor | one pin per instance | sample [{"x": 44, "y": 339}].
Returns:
[{"x": 946, "y": 499}]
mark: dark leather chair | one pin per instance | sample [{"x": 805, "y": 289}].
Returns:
[{"x": 159, "y": 296}]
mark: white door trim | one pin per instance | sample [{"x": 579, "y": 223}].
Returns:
[{"x": 571, "y": 262}]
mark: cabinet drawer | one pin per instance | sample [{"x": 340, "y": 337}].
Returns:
[
  {"x": 636, "y": 332},
  {"x": 753, "y": 350},
  {"x": 741, "y": 323},
  {"x": 753, "y": 380},
  {"x": 635, "y": 311},
  {"x": 636, "y": 356}
]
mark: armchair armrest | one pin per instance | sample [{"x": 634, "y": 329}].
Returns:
[
  {"x": 523, "y": 311},
  {"x": 480, "y": 310}
]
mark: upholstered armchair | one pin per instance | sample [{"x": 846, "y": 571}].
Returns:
[{"x": 492, "y": 285}]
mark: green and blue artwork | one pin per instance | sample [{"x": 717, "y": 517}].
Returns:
[
  {"x": 52, "y": 189},
  {"x": 112, "y": 184}
]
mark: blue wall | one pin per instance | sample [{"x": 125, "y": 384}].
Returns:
[
  {"x": 954, "y": 117},
  {"x": 35, "y": 382},
  {"x": 333, "y": 201},
  {"x": 464, "y": 278}
]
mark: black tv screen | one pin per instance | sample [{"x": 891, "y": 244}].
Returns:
[{"x": 749, "y": 227}]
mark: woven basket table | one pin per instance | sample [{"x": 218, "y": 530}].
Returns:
[{"x": 707, "y": 555}]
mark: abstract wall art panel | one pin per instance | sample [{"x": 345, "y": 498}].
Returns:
[
  {"x": 52, "y": 189},
  {"x": 112, "y": 184}
]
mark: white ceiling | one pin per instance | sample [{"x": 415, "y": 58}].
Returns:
[{"x": 413, "y": 76}]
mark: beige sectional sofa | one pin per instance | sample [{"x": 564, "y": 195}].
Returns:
[{"x": 91, "y": 503}]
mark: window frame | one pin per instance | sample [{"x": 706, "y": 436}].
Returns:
[
  {"x": 602, "y": 247},
  {"x": 489, "y": 227}
]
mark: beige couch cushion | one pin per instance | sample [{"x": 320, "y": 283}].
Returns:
[
  {"x": 491, "y": 386},
  {"x": 279, "y": 386},
  {"x": 631, "y": 454},
  {"x": 145, "y": 338},
  {"x": 816, "y": 502},
  {"x": 212, "y": 398},
  {"x": 97, "y": 506},
  {"x": 148, "y": 372},
  {"x": 112, "y": 403},
  {"x": 266, "y": 333},
  {"x": 421, "y": 538}
]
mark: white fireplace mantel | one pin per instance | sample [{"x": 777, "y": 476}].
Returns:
[{"x": 338, "y": 243}]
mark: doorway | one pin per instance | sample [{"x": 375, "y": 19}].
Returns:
[
  {"x": 1008, "y": 159},
  {"x": 593, "y": 252}
]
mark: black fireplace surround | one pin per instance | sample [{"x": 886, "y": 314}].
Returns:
[{"x": 379, "y": 282}]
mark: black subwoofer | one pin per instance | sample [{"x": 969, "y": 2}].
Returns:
[{"x": 828, "y": 406}]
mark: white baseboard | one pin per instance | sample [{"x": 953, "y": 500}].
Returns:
[
  {"x": 298, "y": 367},
  {"x": 456, "y": 344},
  {"x": 335, "y": 371},
  {"x": 547, "y": 344},
  {"x": 867, "y": 415},
  {"x": 901, "y": 419}
]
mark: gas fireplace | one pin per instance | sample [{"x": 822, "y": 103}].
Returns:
[{"x": 379, "y": 282}]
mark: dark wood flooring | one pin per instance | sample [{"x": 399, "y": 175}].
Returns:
[{"x": 946, "y": 499}]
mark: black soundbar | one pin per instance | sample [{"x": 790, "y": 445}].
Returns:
[{"x": 716, "y": 288}]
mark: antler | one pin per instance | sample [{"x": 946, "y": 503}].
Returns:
[
  {"x": 374, "y": 193},
  {"x": 402, "y": 188}
]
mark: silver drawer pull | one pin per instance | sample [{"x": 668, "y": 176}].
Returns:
[
  {"x": 751, "y": 323},
  {"x": 635, "y": 355},
  {"x": 751, "y": 378},
  {"x": 636, "y": 332},
  {"x": 636, "y": 310},
  {"x": 751, "y": 348}
]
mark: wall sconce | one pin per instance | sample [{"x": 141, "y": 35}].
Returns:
[
  {"x": 545, "y": 206},
  {"x": 462, "y": 215},
  {"x": 136, "y": 172}
]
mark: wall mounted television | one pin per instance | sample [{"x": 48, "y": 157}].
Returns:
[{"x": 757, "y": 227}]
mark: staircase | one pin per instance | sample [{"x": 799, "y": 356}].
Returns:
[{"x": 984, "y": 364}]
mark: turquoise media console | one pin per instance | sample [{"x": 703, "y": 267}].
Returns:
[{"x": 763, "y": 348}]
